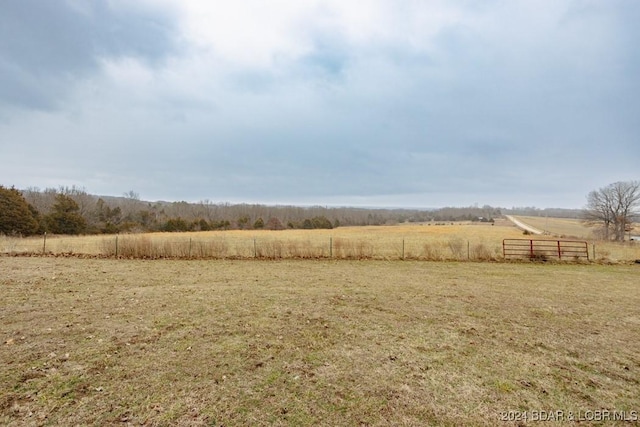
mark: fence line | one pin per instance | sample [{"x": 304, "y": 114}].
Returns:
[{"x": 327, "y": 247}]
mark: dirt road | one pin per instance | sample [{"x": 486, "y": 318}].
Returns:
[{"x": 524, "y": 226}]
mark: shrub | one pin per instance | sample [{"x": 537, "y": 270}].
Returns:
[
  {"x": 176, "y": 224},
  {"x": 201, "y": 225},
  {"x": 321, "y": 222},
  {"x": 274, "y": 224},
  {"x": 242, "y": 222}
]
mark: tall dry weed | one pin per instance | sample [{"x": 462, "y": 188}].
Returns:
[
  {"x": 481, "y": 252},
  {"x": 210, "y": 249},
  {"x": 352, "y": 249},
  {"x": 273, "y": 249},
  {"x": 8, "y": 244},
  {"x": 457, "y": 248},
  {"x": 431, "y": 251},
  {"x": 135, "y": 247}
]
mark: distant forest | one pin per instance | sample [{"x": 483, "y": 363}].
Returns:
[{"x": 72, "y": 210}]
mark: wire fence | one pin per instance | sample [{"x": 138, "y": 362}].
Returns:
[
  {"x": 219, "y": 247},
  {"x": 149, "y": 246}
]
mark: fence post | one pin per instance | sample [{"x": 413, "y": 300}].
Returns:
[
  {"x": 531, "y": 249},
  {"x": 468, "y": 251},
  {"x": 403, "y": 249},
  {"x": 330, "y": 247},
  {"x": 116, "y": 246},
  {"x": 255, "y": 249},
  {"x": 190, "y": 247},
  {"x": 559, "y": 251},
  {"x": 586, "y": 249},
  {"x": 594, "y": 251},
  {"x": 44, "y": 244}
]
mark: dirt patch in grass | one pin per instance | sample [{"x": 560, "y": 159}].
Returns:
[{"x": 114, "y": 342}]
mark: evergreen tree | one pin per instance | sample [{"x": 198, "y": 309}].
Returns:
[
  {"x": 321, "y": 222},
  {"x": 66, "y": 218},
  {"x": 242, "y": 222},
  {"x": 16, "y": 215}
]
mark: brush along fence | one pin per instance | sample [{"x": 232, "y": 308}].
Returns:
[
  {"x": 150, "y": 246},
  {"x": 243, "y": 246},
  {"x": 545, "y": 249}
]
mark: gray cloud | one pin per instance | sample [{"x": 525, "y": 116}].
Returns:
[
  {"x": 503, "y": 104},
  {"x": 46, "y": 47}
]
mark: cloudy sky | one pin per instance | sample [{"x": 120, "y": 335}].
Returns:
[{"x": 404, "y": 103}]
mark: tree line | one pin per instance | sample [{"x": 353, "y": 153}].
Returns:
[
  {"x": 71, "y": 210},
  {"x": 611, "y": 210}
]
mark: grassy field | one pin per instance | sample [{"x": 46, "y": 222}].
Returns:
[
  {"x": 294, "y": 342},
  {"x": 450, "y": 241},
  {"x": 434, "y": 242}
]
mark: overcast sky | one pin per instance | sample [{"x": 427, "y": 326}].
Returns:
[{"x": 409, "y": 103}]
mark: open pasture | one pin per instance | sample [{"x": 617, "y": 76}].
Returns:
[
  {"x": 435, "y": 242},
  {"x": 323, "y": 342}
]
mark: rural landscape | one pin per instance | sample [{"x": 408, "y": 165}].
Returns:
[
  {"x": 403, "y": 323},
  {"x": 319, "y": 213}
]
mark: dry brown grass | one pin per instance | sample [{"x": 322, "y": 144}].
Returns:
[
  {"x": 457, "y": 242},
  {"x": 230, "y": 342}
]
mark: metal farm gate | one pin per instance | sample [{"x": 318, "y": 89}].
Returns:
[{"x": 544, "y": 249}]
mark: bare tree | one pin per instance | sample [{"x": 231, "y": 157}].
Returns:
[
  {"x": 130, "y": 204},
  {"x": 86, "y": 202},
  {"x": 42, "y": 200},
  {"x": 614, "y": 207}
]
